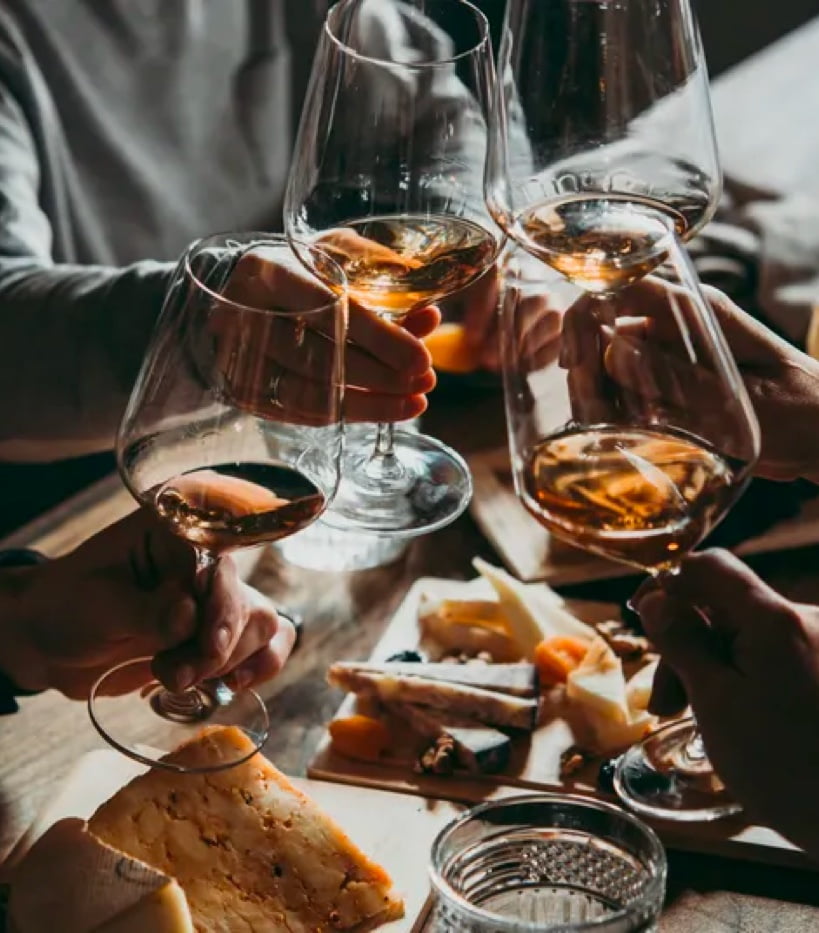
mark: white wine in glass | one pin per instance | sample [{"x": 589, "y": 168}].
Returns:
[
  {"x": 631, "y": 436},
  {"x": 232, "y": 437},
  {"x": 601, "y": 134},
  {"x": 387, "y": 178}
]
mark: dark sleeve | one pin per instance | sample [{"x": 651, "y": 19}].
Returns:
[{"x": 71, "y": 337}]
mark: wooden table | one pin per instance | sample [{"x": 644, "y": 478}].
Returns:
[{"x": 346, "y": 613}]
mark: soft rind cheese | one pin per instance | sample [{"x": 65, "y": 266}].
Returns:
[
  {"x": 251, "y": 851},
  {"x": 598, "y": 683},
  {"x": 532, "y": 612},
  {"x": 71, "y": 882},
  {"x": 638, "y": 688},
  {"x": 598, "y": 686}
]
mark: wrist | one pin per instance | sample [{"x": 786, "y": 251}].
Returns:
[{"x": 19, "y": 659}]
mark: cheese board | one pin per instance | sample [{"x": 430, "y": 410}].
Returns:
[
  {"x": 530, "y": 552},
  {"x": 535, "y": 761},
  {"x": 395, "y": 830}
]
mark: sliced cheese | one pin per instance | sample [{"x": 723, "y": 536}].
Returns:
[
  {"x": 531, "y": 612},
  {"x": 638, "y": 689},
  {"x": 519, "y": 680},
  {"x": 467, "y": 626},
  {"x": 250, "y": 850},
  {"x": 598, "y": 684},
  {"x": 473, "y": 703},
  {"x": 71, "y": 882}
]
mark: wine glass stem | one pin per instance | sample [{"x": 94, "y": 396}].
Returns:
[
  {"x": 694, "y": 751},
  {"x": 383, "y": 466}
]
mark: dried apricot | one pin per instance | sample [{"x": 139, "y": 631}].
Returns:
[
  {"x": 556, "y": 658},
  {"x": 360, "y": 737}
]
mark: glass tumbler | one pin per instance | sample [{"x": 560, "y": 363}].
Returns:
[{"x": 551, "y": 863}]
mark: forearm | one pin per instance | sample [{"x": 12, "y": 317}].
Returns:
[{"x": 72, "y": 338}]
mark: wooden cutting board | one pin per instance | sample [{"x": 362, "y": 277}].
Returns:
[
  {"x": 531, "y": 553},
  {"x": 535, "y": 764},
  {"x": 395, "y": 829}
]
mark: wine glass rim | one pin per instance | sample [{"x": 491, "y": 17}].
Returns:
[
  {"x": 657, "y": 870},
  {"x": 253, "y": 239},
  {"x": 483, "y": 42}
]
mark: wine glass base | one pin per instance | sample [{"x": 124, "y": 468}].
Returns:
[
  {"x": 150, "y": 722},
  {"x": 658, "y": 779},
  {"x": 433, "y": 488}
]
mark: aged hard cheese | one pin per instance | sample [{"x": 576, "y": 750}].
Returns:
[
  {"x": 251, "y": 852},
  {"x": 72, "y": 883},
  {"x": 533, "y": 612}
]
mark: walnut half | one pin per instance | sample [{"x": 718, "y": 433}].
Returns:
[{"x": 439, "y": 758}]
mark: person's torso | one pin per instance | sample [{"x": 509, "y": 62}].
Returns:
[{"x": 161, "y": 120}]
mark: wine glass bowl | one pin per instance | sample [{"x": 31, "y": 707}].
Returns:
[
  {"x": 387, "y": 178},
  {"x": 631, "y": 435},
  {"x": 602, "y": 121},
  {"x": 232, "y": 437}
]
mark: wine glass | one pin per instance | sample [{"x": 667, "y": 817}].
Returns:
[
  {"x": 233, "y": 437},
  {"x": 631, "y": 435},
  {"x": 387, "y": 177},
  {"x": 602, "y": 118}
]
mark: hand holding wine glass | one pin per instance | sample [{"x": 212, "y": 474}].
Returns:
[
  {"x": 387, "y": 178},
  {"x": 134, "y": 595},
  {"x": 608, "y": 456},
  {"x": 740, "y": 646},
  {"x": 232, "y": 438}
]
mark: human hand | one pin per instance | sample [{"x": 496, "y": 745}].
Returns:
[
  {"x": 131, "y": 591},
  {"x": 749, "y": 661},
  {"x": 646, "y": 357},
  {"x": 387, "y": 367}
]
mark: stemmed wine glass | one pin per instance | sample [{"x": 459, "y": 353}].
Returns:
[
  {"x": 631, "y": 435},
  {"x": 602, "y": 119},
  {"x": 233, "y": 437},
  {"x": 387, "y": 177}
]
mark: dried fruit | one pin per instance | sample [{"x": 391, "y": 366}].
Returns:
[
  {"x": 556, "y": 658},
  {"x": 360, "y": 737}
]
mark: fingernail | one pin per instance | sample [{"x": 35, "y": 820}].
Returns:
[
  {"x": 221, "y": 640},
  {"x": 185, "y": 677}
]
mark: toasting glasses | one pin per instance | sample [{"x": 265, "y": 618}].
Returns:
[
  {"x": 232, "y": 436},
  {"x": 630, "y": 429},
  {"x": 603, "y": 119},
  {"x": 631, "y": 435},
  {"x": 387, "y": 177}
]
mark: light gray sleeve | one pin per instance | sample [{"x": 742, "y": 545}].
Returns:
[{"x": 71, "y": 337}]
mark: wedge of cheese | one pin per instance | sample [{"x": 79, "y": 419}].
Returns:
[
  {"x": 638, "y": 688},
  {"x": 467, "y": 625},
  {"x": 71, "y": 882},
  {"x": 250, "y": 851},
  {"x": 598, "y": 687},
  {"x": 531, "y": 612}
]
